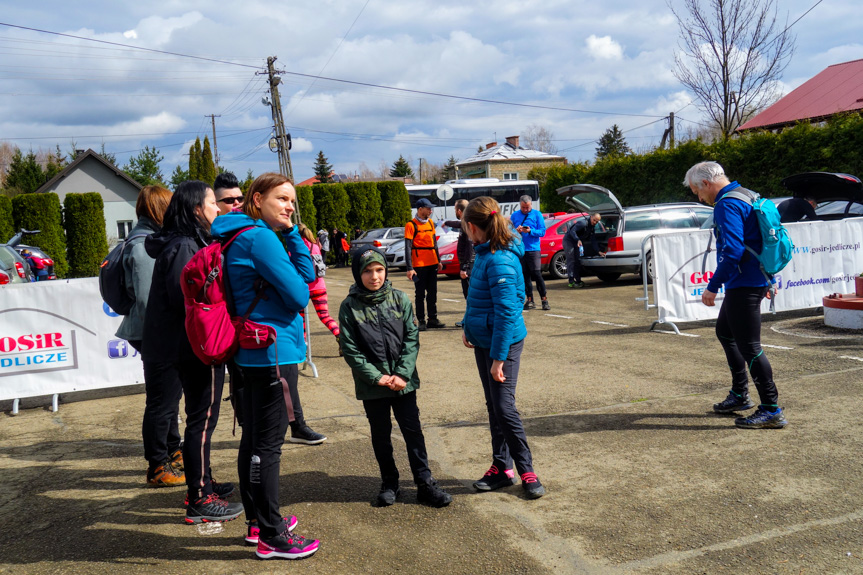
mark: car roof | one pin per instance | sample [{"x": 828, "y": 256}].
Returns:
[{"x": 666, "y": 206}]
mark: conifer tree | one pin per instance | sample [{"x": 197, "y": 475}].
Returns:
[
  {"x": 323, "y": 169},
  {"x": 612, "y": 144},
  {"x": 25, "y": 175},
  {"x": 401, "y": 169},
  {"x": 206, "y": 166}
]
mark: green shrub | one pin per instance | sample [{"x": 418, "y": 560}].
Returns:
[
  {"x": 365, "y": 200},
  {"x": 306, "y": 203},
  {"x": 7, "y": 222},
  {"x": 331, "y": 206},
  {"x": 42, "y": 212},
  {"x": 86, "y": 240},
  {"x": 395, "y": 204}
]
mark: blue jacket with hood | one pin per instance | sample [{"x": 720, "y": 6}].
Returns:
[
  {"x": 535, "y": 222},
  {"x": 495, "y": 299},
  {"x": 259, "y": 252},
  {"x": 736, "y": 227}
]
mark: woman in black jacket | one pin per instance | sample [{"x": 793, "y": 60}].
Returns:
[{"x": 170, "y": 367}]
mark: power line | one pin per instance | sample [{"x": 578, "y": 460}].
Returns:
[{"x": 339, "y": 80}]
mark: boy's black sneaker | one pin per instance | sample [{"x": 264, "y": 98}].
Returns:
[
  {"x": 212, "y": 508},
  {"x": 545, "y": 305},
  {"x": 733, "y": 403},
  {"x": 387, "y": 495},
  {"x": 435, "y": 324},
  {"x": 421, "y": 325},
  {"x": 223, "y": 490},
  {"x": 495, "y": 479},
  {"x": 531, "y": 485},
  {"x": 432, "y": 495},
  {"x": 762, "y": 419},
  {"x": 529, "y": 305},
  {"x": 306, "y": 435}
]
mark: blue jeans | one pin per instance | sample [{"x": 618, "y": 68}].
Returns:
[{"x": 508, "y": 439}]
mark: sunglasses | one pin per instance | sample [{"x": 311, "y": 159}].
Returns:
[{"x": 233, "y": 200}]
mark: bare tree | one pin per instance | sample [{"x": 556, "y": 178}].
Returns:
[
  {"x": 731, "y": 56},
  {"x": 538, "y": 138}
]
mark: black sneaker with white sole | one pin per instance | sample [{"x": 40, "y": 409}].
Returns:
[
  {"x": 212, "y": 508},
  {"x": 733, "y": 402},
  {"x": 306, "y": 435}
]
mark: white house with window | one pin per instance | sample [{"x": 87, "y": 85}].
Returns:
[
  {"x": 90, "y": 172},
  {"x": 505, "y": 162}
]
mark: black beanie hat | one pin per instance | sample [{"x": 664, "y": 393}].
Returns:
[{"x": 363, "y": 259}]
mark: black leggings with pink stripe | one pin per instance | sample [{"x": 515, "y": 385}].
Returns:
[{"x": 202, "y": 388}]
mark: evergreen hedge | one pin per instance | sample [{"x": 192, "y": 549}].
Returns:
[
  {"x": 331, "y": 206},
  {"x": 42, "y": 212},
  {"x": 759, "y": 161},
  {"x": 7, "y": 222},
  {"x": 365, "y": 202},
  {"x": 306, "y": 203},
  {"x": 395, "y": 204},
  {"x": 86, "y": 240}
]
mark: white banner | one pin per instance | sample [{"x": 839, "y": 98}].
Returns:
[
  {"x": 827, "y": 256},
  {"x": 57, "y": 337}
]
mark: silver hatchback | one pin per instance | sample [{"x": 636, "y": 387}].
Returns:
[{"x": 621, "y": 230}]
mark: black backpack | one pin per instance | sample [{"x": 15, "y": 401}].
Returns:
[{"x": 112, "y": 279}]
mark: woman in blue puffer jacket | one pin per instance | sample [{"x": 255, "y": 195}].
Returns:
[{"x": 494, "y": 328}]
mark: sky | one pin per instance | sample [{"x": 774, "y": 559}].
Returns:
[{"x": 598, "y": 63}]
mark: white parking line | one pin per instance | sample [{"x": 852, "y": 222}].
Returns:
[
  {"x": 609, "y": 323},
  {"x": 452, "y": 300},
  {"x": 851, "y": 357},
  {"x": 561, "y": 316},
  {"x": 672, "y": 332},
  {"x": 775, "y": 346}
]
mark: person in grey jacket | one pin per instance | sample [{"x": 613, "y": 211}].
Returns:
[{"x": 137, "y": 263}]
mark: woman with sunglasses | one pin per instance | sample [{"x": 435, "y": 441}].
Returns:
[{"x": 229, "y": 196}]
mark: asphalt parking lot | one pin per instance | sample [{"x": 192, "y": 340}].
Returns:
[{"x": 641, "y": 476}]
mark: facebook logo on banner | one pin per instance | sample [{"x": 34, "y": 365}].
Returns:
[{"x": 118, "y": 348}]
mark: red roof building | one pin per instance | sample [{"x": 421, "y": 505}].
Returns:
[{"x": 837, "y": 89}]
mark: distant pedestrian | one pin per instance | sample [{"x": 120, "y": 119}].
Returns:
[
  {"x": 531, "y": 225},
  {"x": 464, "y": 249},
  {"x": 340, "y": 239},
  {"x": 381, "y": 344},
  {"x": 324, "y": 242},
  {"x": 423, "y": 262},
  {"x": 738, "y": 326},
  {"x": 579, "y": 239},
  {"x": 494, "y": 328},
  {"x": 797, "y": 209}
]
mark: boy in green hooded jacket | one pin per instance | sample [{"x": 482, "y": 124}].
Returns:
[{"x": 380, "y": 342}]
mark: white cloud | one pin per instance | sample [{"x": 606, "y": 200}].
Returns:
[
  {"x": 130, "y": 34},
  {"x": 301, "y": 146},
  {"x": 603, "y": 48}
]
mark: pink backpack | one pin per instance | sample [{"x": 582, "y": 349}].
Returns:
[{"x": 213, "y": 332}]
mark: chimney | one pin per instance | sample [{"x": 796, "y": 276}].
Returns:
[
  {"x": 490, "y": 146},
  {"x": 512, "y": 141}
]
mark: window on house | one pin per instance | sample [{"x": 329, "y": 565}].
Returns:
[
  {"x": 510, "y": 176},
  {"x": 123, "y": 228}
]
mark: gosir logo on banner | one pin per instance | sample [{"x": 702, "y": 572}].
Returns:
[
  {"x": 35, "y": 352},
  {"x": 694, "y": 283}
]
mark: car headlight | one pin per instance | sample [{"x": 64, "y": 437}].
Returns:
[{"x": 447, "y": 257}]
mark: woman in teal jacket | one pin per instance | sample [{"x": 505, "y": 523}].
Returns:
[
  {"x": 494, "y": 328},
  {"x": 259, "y": 252}
]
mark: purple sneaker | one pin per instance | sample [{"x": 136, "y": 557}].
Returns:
[
  {"x": 286, "y": 546},
  {"x": 254, "y": 531}
]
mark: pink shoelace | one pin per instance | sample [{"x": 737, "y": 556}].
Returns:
[{"x": 529, "y": 477}]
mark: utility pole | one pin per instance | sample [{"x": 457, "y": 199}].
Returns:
[
  {"x": 282, "y": 139},
  {"x": 671, "y": 131},
  {"x": 215, "y": 146}
]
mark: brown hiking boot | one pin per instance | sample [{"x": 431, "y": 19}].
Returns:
[
  {"x": 177, "y": 459},
  {"x": 166, "y": 475}
]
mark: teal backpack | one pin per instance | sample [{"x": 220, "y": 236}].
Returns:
[{"x": 777, "y": 247}]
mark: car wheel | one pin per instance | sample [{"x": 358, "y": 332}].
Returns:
[
  {"x": 608, "y": 278},
  {"x": 557, "y": 266},
  {"x": 650, "y": 272}
]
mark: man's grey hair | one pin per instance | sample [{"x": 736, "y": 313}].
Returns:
[
  {"x": 525, "y": 199},
  {"x": 710, "y": 171}
]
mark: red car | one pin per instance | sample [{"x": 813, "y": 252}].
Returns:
[{"x": 551, "y": 248}]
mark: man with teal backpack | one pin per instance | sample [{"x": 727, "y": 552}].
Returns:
[{"x": 751, "y": 246}]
